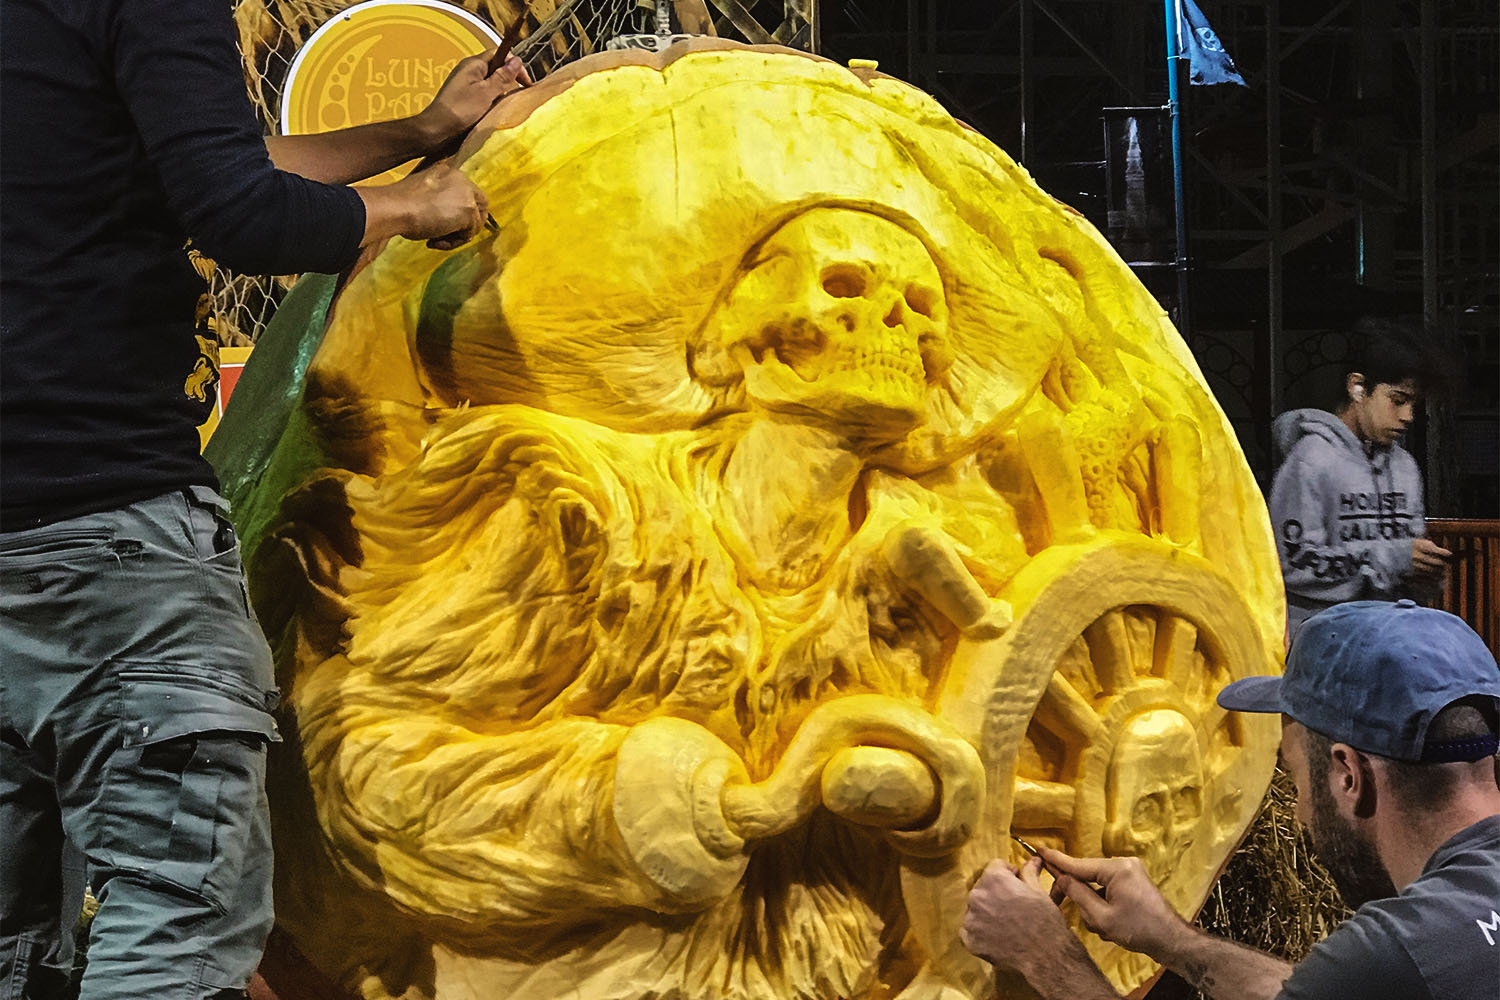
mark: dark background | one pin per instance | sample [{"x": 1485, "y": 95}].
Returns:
[{"x": 1339, "y": 93}]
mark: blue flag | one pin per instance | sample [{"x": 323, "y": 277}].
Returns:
[{"x": 1207, "y": 60}]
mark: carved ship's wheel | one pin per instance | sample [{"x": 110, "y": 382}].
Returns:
[{"x": 1096, "y": 720}]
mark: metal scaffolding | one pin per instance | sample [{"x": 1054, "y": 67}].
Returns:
[{"x": 1358, "y": 172}]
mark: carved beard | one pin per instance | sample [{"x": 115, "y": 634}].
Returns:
[
  {"x": 443, "y": 633},
  {"x": 818, "y": 916}
]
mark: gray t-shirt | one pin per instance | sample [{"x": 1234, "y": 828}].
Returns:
[{"x": 1438, "y": 940}]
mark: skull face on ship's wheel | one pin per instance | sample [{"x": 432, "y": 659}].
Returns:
[
  {"x": 684, "y": 590},
  {"x": 1155, "y": 790}
]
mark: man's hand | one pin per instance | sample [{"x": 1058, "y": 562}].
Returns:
[
  {"x": 1119, "y": 903},
  {"x": 469, "y": 92},
  {"x": 363, "y": 151},
  {"x": 439, "y": 205},
  {"x": 1127, "y": 908},
  {"x": 1011, "y": 923},
  {"x": 1428, "y": 558},
  {"x": 1010, "y": 918}
]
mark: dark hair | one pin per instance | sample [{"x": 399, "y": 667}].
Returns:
[
  {"x": 1391, "y": 351},
  {"x": 1421, "y": 787}
]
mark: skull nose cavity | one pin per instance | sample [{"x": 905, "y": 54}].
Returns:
[{"x": 893, "y": 317}]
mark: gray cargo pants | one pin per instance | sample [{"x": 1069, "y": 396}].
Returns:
[{"x": 135, "y": 697}]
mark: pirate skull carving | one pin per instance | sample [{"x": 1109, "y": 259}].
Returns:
[
  {"x": 840, "y": 313},
  {"x": 663, "y": 581},
  {"x": 1155, "y": 790}
]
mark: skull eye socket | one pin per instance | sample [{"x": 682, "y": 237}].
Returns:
[
  {"x": 1147, "y": 813},
  {"x": 844, "y": 281},
  {"x": 921, "y": 300},
  {"x": 1186, "y": 804},
  {"x": 793, "y": 342}
]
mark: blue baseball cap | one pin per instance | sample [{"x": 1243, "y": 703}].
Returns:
[{"x": 1372, "y": 674}]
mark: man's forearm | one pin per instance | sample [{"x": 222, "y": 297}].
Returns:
[
  {"x": 1068, "y": 975},
  {"x": 352, "y": 154},
  {"x": 1222, "y": 969}
]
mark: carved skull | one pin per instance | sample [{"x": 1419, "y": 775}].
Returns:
[
  {"x": 1155, "y": 790},
  {"x": 840, "y": 314}
]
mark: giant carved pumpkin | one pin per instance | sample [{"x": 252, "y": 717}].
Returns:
[{"x": 684, "y": 589}]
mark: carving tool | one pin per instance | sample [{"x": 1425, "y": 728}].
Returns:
[
  {"x": 507, "y": 42},
  {"x": 974, "y": 880},
  {"x": 497, "y": 59},
  {"x": 1050, "y": 870},
  {"x": 1035, "y": 854},
  {"x": 1028, "y": 848}
]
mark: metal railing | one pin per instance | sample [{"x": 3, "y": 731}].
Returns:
[{"x": 1471, "y": 588}]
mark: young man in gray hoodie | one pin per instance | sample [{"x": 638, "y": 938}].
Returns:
[{"x": 1346, "y": 504}]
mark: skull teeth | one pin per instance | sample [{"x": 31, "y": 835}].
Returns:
[{"x": 907, "y": 366}]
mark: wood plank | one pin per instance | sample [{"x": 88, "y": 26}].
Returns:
[
  {"x": 694, "y": 18},
  {"x": 1068, "y": 714},
  {"x": 1109, "y": 648},
  {"x": 1295, "y": 236},
  {"x": 1176, "y": 639},
  {"x": 1042, "y": 805},
  {"x": 744, "y": 22},
  {"x": 1472, "y": 579}
]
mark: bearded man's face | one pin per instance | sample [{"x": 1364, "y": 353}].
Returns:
[{"x": 1347, "y": 852}]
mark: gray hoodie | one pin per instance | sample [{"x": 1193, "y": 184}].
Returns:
[{"x": 1344, "y": 513}]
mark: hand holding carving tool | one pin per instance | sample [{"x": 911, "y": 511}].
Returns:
[
  {"x": 496, "y": 61},
  {"x": 1034, "y": 853},
  {"x": 508, "y": 42}
]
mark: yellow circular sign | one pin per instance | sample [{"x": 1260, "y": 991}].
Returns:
[{"x": 376, "y": 61}]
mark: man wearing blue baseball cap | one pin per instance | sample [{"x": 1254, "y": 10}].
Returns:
[{"x": 1389, "y": 716}]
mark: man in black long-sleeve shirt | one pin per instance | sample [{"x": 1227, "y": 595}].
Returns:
[{"x": 135, "y": 687}]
